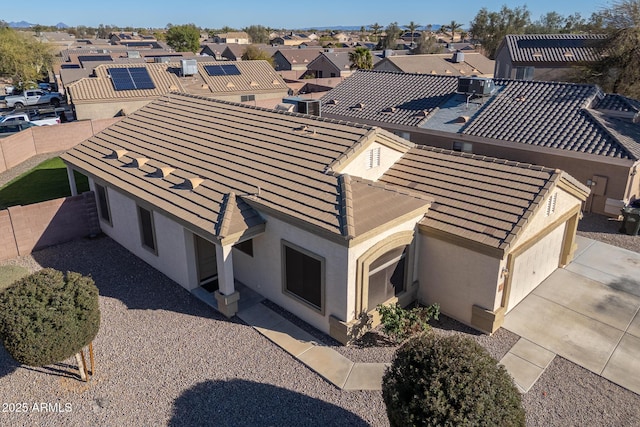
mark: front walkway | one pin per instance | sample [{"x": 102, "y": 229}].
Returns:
[{"x": 587, "y": 313}]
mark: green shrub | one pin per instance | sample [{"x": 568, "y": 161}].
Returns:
[
  {"x": 400, "y": 323},
  {"x": 47, "y": 317},
  {"x": 449, "y": 381}
]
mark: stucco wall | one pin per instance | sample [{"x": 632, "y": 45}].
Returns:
[
  {"x": 171, "y": 258},
  {"x": 456, "y": 278},
  {"x": 101, "y": 109},
  {"x": 357, "y": 165}
]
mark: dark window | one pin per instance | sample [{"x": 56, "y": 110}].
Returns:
[
  {"x": 464, "y": 147},
  {"x": 146, "y": 229},
  {"x": 524, "y": 73},
  {"x": 387, "y": 277},
  {"x": 103, "y": 203},
  {"x": 303, "y": 276},
  {"x": 245, "y": 98},
  {"x": 246, "y": 247}
]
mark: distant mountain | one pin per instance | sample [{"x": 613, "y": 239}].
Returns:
[
  {"x": 434, "y": 27},
  {"x": 21, "y": 24},
  {"x": 25, "y": 24}
]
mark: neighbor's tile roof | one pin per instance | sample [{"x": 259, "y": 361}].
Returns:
[
  {"x": 366, "y": 95},
  {"x": 545, "y": 114},
  {"x": 340, "y": 60},
  {"x": 549, "y": 114},
  {"x": 440, "y": 63},
  {"x": 255, "y": 77},
  {"x": 481, "y": 199},
  {"x": 250, "y": 160},
  {"x": 299, "y": 56},
  {"x": 558, "y": 48}
]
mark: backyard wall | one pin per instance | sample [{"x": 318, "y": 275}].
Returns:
[
  {"x": 17, "y": 148},
  {"x": 24, "y": 229}
]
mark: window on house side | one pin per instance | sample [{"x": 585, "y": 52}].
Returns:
[
  {"x": 246, "y": 247},
  {"x": 303, "y": 274},
  {"x": 147, "y": 231},
  {"x": 372, "y": 158},
  {"x": 247, "y": 98},
  {"x": 103, "y": 203}
]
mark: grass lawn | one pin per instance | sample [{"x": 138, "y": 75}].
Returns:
[{"x": 47, "y": 181}]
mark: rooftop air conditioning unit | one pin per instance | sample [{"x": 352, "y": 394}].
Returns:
[
  {"x": 303, "y": 105},
  {"x": 189, "y": 67},
  {"x": 476, "y": 86},
  {"x": 133, "y": 54},
  {"x": 161, "y": 59},
  {"x": 458, "y": 57}
]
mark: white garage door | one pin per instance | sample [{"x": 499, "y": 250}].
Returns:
[{"x": 534, "y": 265}]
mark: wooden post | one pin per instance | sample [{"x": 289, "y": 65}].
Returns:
[
  {"x": 93, "y": 369},
  {"x": 84, "y": 364},
  {"x": 83, "y": 374}
]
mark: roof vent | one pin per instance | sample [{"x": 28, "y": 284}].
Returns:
[
  {"x": 568, "y": 54},
  {"x": 301, "y": 128},
  {"x": 462, "y": 119},
  {"x": 118, "y": 154},
  {"x": 276, "y": 82},
  {"x": 458, "y": 57},
  {"x": 253, "y": 83},
  {"x": 230, "y": 85},
  {"x": 289, "y": 108},
  {"x": 359, "y": 105},
  {"x": 537, "y": 54},
  {"x": 163, "y": 172},
  {"x": 421, "y": 113},
  {"x": 173, "y": 88},
  {"x": 332, "y": 102},
  {"x": 138, "y": 162},
  {"x": 189, "y": 67},
  {"x": 389, "y": 110},
  {"x": 192, "y": 183}
]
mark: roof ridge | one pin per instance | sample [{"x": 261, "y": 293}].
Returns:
[
  {"x": 593, "y": 114},
  {"x": 226, "y": 212},
  {"x": 346, "y": 206}
]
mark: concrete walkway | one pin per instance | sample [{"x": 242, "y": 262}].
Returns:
[{"x": 588, "y": 313}]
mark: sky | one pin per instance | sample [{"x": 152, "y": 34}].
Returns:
[{"x": 298, "y": 14}]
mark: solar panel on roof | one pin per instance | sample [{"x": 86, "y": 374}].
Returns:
[
  {"x": 101, "y": 58},
  {"x": 70, "y": 66},
  {"x": 131, "y": 78},
  {"x": 222, "y": 70}
]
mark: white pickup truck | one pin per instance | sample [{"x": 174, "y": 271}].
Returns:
[
  {"x": 33, "y": 97},
  {"x": 43, "y": 119}
]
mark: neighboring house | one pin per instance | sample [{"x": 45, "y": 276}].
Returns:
[
  {"x": 574, "y": 127},
  {"x": 294, "y": 59},
  {"x": 291, "y": 39},
  {"x": 456, "y": 64},
  {"x": 238, "y": 37},
  {"x": 550, "y": 57},
  {"x": 135, "y": 85},
  {"x": 327, "y": 219},
  {"x": 332, "y": 64},
  {"x": 233, "y": 52}
]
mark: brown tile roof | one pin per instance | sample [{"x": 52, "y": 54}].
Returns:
[
  {"x": 479, "y": 199},
  {"x": 250, "y": 159},
  {"x": 440, "y": 63},
  {"x": 255, "y": 77}
]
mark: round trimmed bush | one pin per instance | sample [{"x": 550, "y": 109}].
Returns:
[
  {"x": 47, "y": 317},
  {"x": 449, "y": 381}
]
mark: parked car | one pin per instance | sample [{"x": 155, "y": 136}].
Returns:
[
  {"x": 33, "y": 97},
  {"x": 32, "y": 117},
  {"x": 8, "y": 129}
]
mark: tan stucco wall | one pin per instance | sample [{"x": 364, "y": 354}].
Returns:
[
  {"x": 565, "y": 203},
  {"x": 104, "y": 110},
  {"x": 171, "y": 258},
  {"x": 357, "y": 164},
  {"x": 457, "y": 278}
]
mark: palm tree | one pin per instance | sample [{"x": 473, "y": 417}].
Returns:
[
  {"x": 375, "y": 29},
  {"x": 453, "y": 27},
  {"x": 463, "y": 36},
  {"x": 361, "y": 59},
  {"x": 412, "y": 26}
]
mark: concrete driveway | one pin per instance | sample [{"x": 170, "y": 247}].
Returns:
[{"x": 587, "y": 313}]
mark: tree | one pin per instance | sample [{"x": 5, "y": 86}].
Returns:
[
  {"x": 489, "y": 28},
  {"x": 449, "y": 381},
  {"x": 47, "y": 317},
  {"x": 618, "y": 70},
  {"x": 392, "y": 31},
  {"x": 24, "y": 59},
  {"x": 361, "y": 59},
  {"x": 253, "y": 53},
  {"x": 257, "y": 33},
  {"x": 453, "y": 27},
  {"x": 412, "y": 27},
  {"x": 427, "y": 44},
  {"x": 375, "y": 30},
  {"x": 184, "y": 38}
]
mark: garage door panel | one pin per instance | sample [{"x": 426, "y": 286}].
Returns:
[{"x": 535, "y": 264}]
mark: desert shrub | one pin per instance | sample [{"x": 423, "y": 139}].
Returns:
[
  {"x": 47, "y": 317},
  {"x": 400, "y": 323},
  {"x": 449, "y": 381}
]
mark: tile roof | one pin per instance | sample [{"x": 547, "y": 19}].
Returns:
[
  {"x": 250, "y": 160},
  {"x": 339, "y": 59},
  {"x": 365, "y": 95},
  {"x": 255, "y": 77},
  {"x": 559, "y": 48},
  {"x": 481, "y": 199},
  {"x": 545, "y": 114},
  {"x": 440, "y": 63},
  {"x": 299, "y": 56}
]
